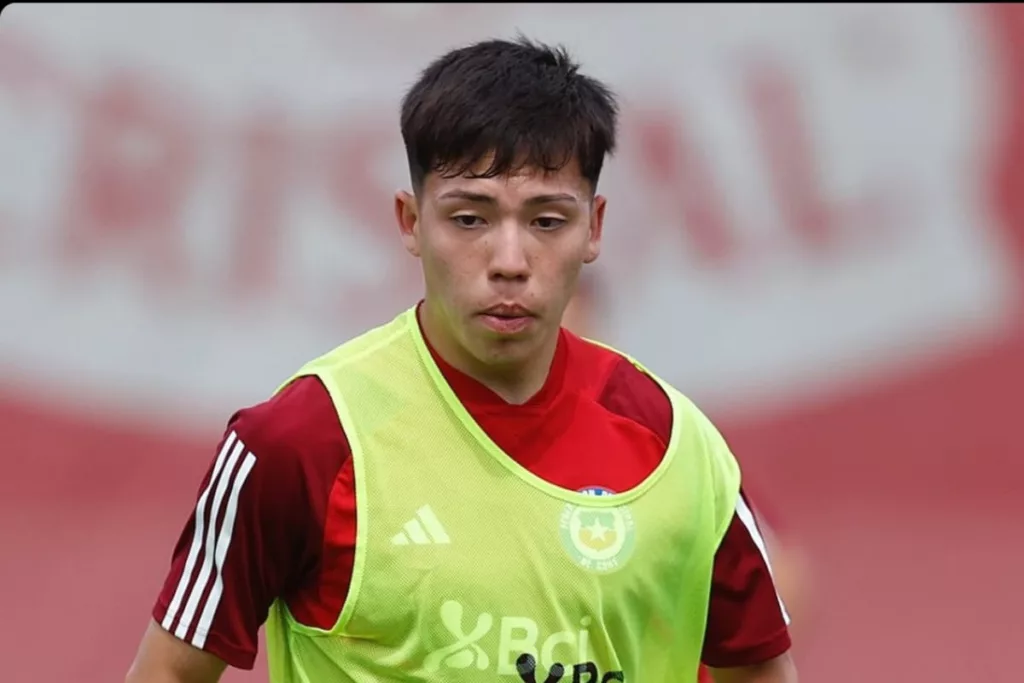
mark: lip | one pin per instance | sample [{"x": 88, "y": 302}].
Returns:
[
  {"x": 506, "y": 325},
  {"x": 507, "y": 318},
  {"x": 508, "y": 311}
]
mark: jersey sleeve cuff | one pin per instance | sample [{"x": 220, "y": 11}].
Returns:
[
  {"x": 770, "y": 649},
  {"x": 230, "y": 654}
]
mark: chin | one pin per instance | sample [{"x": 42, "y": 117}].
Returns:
[{"x": 502, "y": 351}]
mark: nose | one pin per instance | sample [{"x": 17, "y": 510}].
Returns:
[{"x": 509, "y": 258}]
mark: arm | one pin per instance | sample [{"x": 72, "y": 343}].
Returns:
[
  {"x": 747, "y": 638},
  {"x": 197, "y": 630},
  {"x": 792, "y": 575},
  {"x": 162, "y": 658},
  {"x": 255, "y": 534},
  {"x": 778, "y": 670},
  {"x": 788, "y": 574}
]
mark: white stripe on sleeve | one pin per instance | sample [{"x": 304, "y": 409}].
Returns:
[
  {"x": 197, "y": 536},
  {"x": 209, "y": 547},
  {"x": 223, "y": 542},
  {"x": 747, "y": 517}
]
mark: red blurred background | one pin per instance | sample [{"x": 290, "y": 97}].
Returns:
[{"x": 816, "y": 229}]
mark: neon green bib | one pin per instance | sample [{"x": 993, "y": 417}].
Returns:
[{"x": 468, "y": 567}]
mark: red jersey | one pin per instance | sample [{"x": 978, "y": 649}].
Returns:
[{"x": 285, "y": 525}]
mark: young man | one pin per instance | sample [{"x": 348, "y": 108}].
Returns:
[{"x": 471, "y": 492}]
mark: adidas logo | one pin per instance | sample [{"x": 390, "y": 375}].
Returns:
[{"x": 423, "y": 529}]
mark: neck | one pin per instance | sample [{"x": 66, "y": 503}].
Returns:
[{"x": 514, "y": 381}]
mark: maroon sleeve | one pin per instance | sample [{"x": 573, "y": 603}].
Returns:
[
  {"x": 256, "y": 532},
  {"x": 747, "y": 622}
]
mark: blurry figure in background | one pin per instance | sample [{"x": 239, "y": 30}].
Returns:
[
  {"x": 581, "y": 314},
  {"x": 471, "y": 488}
]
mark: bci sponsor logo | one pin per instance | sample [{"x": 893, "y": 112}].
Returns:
[{"x": 522, "y": 650}]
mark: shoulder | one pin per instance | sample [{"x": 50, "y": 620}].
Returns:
[
  {"x": 295, "y": 435},
  {"x": 618, "y": 385},
  {"x": 301, "y": 414},
  {"x": 624, "y": 389},
  {"x": 261, "y": 509}
]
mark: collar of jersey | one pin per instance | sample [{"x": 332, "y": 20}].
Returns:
[
  {"x": 507, "y": 461},
  {"x": 480, "y": 398}
]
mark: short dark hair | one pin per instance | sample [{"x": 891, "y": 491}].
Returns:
[{"x": 522, "y": 101}]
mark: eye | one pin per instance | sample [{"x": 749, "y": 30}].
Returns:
[
  {"x": 549, "y": 222},
  {"x": 467, "y": 221}
]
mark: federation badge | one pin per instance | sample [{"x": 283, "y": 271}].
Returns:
[{"x": 599, "y": 539}]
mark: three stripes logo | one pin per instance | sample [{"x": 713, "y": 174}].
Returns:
[
  {"x": 201, "y": 585},
  {"x": 422, "y": 529}
]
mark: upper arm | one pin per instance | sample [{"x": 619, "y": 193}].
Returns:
[
  {"x": 163, "y": 658},
  {"x": 255, "y": 533},
  {"x": 779, "y": 669},
  {"x": 748, "y": 623},
  {"x": 233, "y": 555}
]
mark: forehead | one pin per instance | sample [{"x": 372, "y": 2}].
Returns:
[{"x": 522, "y": 183}]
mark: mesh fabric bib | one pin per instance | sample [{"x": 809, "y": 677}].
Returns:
[{"x": 470, "y": 568}]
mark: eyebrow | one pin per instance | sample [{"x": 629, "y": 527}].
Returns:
[{"x": 488, "y": 199}]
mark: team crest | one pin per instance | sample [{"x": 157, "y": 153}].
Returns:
[{"x": 598, "y": 539}]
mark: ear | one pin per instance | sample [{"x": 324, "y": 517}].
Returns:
[
  {"x": 596, "y": 229},
  {"x": 408, "y": 217}
]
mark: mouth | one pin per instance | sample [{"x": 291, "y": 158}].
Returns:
[
  {"x": 509, "y": 311},
  {"x": 507, "y": 318}
]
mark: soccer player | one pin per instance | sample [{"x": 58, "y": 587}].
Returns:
[{"x": 471, "y": 492}]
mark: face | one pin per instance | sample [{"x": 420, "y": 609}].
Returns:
[{"x": 501, "y": 257}]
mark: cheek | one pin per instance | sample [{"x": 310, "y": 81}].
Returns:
[
  {"x": 569, "y": 261},
  {"x": 435, "y": 269},
  {"x": 556, "y": 280},
  {"x": 444, "y": 265}
]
